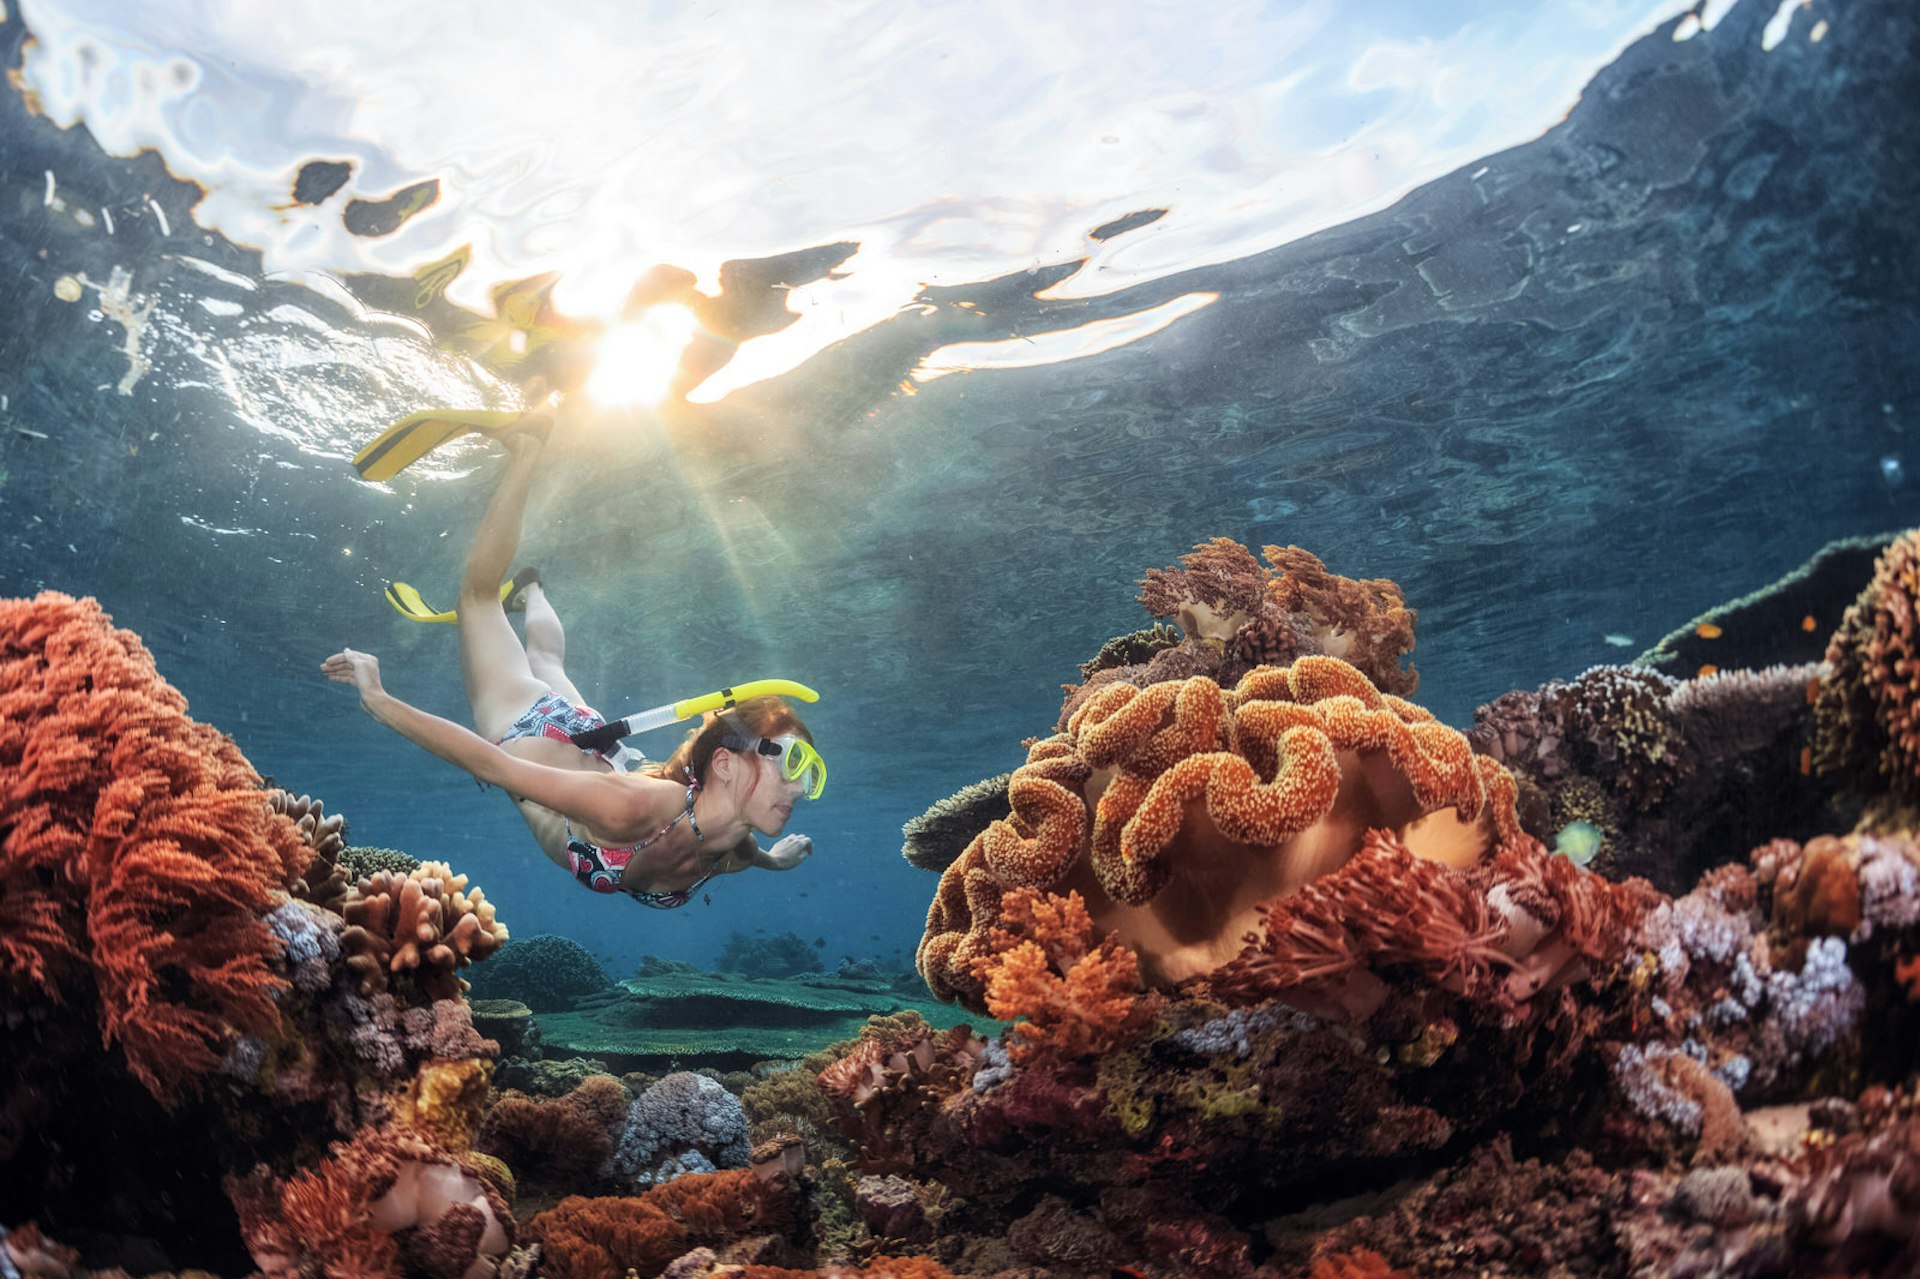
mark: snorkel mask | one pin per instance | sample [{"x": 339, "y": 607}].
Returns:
[{"x": 799, "y": 762}]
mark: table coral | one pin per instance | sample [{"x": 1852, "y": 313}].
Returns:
[
  {"x": 425, "y": 924},
  {"x": 139, "y": 850},
  {"x": 1175, "y": 810}
]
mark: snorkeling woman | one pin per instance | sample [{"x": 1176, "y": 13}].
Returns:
[{"x": 657, "y": 833}]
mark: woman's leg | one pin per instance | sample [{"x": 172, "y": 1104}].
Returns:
[
  {"x": 501, "y": 684},
  {"x": 547, "y": 644}
]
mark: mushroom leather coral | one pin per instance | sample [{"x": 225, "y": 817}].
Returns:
[
  {"x": 387, "y": 1201},
  {"x": 1196, "y": 804},
  {"x": 1070, "y": 997},
  {"x": 427, "y": 923},
  {"x": 137, "y": 848}
]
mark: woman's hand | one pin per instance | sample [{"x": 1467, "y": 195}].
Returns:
[
  {"x": 362, "y": 670},
  {"x": 787, "y": 852}
]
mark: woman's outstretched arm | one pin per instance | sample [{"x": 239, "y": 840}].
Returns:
[{"x": 612, "y": 806}]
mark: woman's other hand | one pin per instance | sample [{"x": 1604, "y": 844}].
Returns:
[
  {"x": 787, "y": 852},
  {"x": 362, "y": 670}
]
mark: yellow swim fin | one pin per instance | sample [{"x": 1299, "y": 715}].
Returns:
[
  {"x": 407, "y": 602},
  {"x": 418, "y": 434}
]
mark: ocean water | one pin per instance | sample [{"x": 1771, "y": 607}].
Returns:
[{"x": 1644, "y": 356}]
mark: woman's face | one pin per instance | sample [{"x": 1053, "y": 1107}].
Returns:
[{"x": 768, "y": 798}]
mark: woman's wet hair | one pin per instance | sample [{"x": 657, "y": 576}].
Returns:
[{"x": 756, "y": 717}]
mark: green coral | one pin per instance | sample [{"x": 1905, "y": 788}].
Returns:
[
  {"x": 362, "y": 863},
  {"x": 938, "y": 836}
]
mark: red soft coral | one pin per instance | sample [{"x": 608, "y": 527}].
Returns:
[
  {"x": 1072, "y": 998},
  {"x": 605, "y": 1238},
  {"x": 559, "y": 1140},
  {"x": 139, "y": 850}
]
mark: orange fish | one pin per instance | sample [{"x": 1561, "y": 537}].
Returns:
[
  {"x": 1808, "y": 625},
  {"x": 1806, "y": 761},
  {"x": 1707, "y": 630},
  {"x": 1708, "y": 669},
  {"x": 1813, "y": 690}
]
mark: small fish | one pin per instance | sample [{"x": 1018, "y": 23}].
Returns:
[
  {"x": 1708, "y": 669},
  {"x": 1808, "y": 625},
  {"x": 1707, "y": 630},
  {"x": 1578, "y": 842},
  {"x": 1806, "y": 761},
  {"x": 1618, "y": 640},
  {"x": 819, "y": 943},
  {"x": 1813, "y": 690},
  {"x": 706, "y": 899},
  {"x": 30, "y": 433}
]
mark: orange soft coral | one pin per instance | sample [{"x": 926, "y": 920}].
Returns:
[
  {"x": 1867, "y": 710},
  {"x": 1070, "y": 996},
  {"x": 1366, "y": 623},
  {"x": 138, "y": 849},
  {"x": 1215, "y": 801},
  {"x": 1291, "y": 608}
]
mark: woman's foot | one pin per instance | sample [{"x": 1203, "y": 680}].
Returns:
[
  {"x": 515, "y": 600},
  {"x": 529, "y": 434}
]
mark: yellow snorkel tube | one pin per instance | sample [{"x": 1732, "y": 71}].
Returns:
[{"x": 597, "y": 739}]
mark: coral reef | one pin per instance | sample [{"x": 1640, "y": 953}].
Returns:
[
  {"x": 173, "y": 959},
  {"x": 767, "y": 955},
  {"x": 562, "y": 1142},
  {"x": 544, "y": 972},
  {"x": 683, "y": 1124},
  {"x": 1177, "y": 809},
  {"x": 138, "y": 851},
  {"x": 605, "y": 1238},
  {"x": 1648, "y": 761},
  {"x": 425, "y": 922},
  {"x": 1867, "y": 714},
  {"x": 1291, "y": 608},
  {"x": 938, "y": 835},
  {"x": 726, "y": 1021},
  {"x": 325, "y": 881}
]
